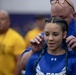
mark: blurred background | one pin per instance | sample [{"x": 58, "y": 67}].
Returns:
[{"x": 22, "y": 12}]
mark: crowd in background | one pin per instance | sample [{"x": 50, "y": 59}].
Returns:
[{"x": 24, "y": 22}]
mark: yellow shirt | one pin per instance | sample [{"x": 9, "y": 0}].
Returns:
[
  {"x": 30, "y": 35},
  {"x": 11, "y": 44}
]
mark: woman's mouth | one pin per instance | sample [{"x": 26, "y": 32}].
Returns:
[{"x": 51, "y": 44}]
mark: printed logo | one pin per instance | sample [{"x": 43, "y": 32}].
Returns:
[
  {"x": 39, "y": 72},
  {"x": 53, "y": 59}
]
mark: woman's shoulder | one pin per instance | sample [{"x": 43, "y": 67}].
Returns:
[
  {"x": 72, "y": 54},
  {"x": 34, "y": 57},
  {"x": 72, "y": 58}
]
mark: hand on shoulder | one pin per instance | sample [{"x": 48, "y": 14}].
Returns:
[{"x": 71, "y": 40}]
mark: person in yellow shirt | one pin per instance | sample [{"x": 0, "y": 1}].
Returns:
[
  {"x": 39, "y": 26},
  {"x": 11, "y": 45}
]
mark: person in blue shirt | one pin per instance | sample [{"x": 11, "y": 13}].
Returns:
[
  {"x": 55, "y": 60},
  {"x": 64, "y": 10}
]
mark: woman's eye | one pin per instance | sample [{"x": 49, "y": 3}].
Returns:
[
  {"x": 55, "y": 34},
  {"x": 46, "y": 34}
]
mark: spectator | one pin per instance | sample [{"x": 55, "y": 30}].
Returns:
[
  {"x": 11, "y": 45},
  {"x": 39, "y": 26}
]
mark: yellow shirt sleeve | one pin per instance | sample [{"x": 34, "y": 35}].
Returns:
[{"x": 30, "y": 35}]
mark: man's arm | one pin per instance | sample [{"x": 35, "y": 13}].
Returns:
[
  {"x": 19, "y": 47},
  {"x": 25, "y": 58},
  {"x": 18, "y": 69}
]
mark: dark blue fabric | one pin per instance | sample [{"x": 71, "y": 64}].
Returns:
[
  {"x": 52, "y": 64},
  {"x": 28, "y": 49},
  {"x": 72, "y": 28}
]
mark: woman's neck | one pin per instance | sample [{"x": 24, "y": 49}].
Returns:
[{"x": 58, "y": 51}]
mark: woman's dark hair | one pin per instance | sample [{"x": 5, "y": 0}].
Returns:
[
  {"x": 58, "y": 21},
  {"x": 64, "y": 27}
]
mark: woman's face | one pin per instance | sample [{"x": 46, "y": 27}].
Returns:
[{"x": 53, "y": 35}]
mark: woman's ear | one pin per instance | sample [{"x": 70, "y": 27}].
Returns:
[
  {"x": 64, "y": 34},
  {"x": 74, "y": 14}
]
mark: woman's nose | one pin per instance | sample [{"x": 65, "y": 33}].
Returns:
[{"x": 50, "y": 37}]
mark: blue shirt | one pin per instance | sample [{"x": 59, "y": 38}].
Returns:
[
  {"x": 52, "y": 64},
  {"x": 72, "y": 28}
]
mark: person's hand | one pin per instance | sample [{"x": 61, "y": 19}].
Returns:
[
  {"x": 71, "y": 40},
  {"x": 37, "y": 43}
]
